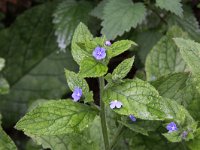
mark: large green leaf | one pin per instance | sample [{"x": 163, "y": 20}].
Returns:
[
  {"x": 165, "y": 58},
  {"x": 138, "y": 98},
  {"x": 67, "y": 16},
  {"x": 30, "y": 50},
  {"x": 189, "y": 22},
  {"x": 190, "y": 52},
  {"x": 98, "y": 10},
  {"x": 195, "y": 144},
  {"x": 81, "y": 35},
  {"x": 90, "y": 139},
  {"x": 174, "y": 6},
  {"x": 131, "y": 15},
  {"x": 56, "y": 118}
]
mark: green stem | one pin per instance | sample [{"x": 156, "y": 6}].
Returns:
[
  {"x": 117, "y": 137},
  {"x": 103, "y": 115}
]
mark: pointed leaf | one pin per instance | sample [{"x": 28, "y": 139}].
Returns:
[
  {"x": 165, "y": 57},
  {"x": 90, "y": 67},
  {"x": 131, "y": 15},
  {"x": 122, "y": 69},
  {"x": 119, "y": 47},
  {"x": 174, "y": 6},
  {"x": 67, "y": 16},
  {"x": 190, "y": 52},
  {"x": 57, "y": 117},
  {"x": 81, "y": 34},
  {"x": 138, "y": 98}
]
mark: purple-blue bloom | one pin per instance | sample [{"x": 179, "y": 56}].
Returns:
[
  {"x": 77, "y": 93},
  {"x": 132, "y": 118},
  {"x": 115, "y": 104},
  {"x": 184, "y": 134},
  {"x": 171, "y": 127},
  {"x": 99, "y": 53},
  {"x": 108, "y": 43}
]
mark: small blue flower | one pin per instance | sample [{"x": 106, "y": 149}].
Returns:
[
  {"x": 115, "y": 104},
  {"x": 184, "y": 134},
  {"x": 171, "y": 127},
  {"x": 77, "y": 93},
  {"x": 108, "y": 43},
  {"x": 99, "y": 53},
  {"x": 132, "y": 118}
]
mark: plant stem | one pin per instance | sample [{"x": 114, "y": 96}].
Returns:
[
  {"x": 103, "y": 115},
  {"x": 117, "y": 136}
]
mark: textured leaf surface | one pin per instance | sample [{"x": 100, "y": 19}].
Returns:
[
  {"x": 131, "y": 15},
  {"x": 67, "y": 16},
  {"x": 190, "y": 52},
  {"x": 81, "y": 35},
  {"x": 29, "y": 48},
  {"x": 98, "y": 10},
  {"x": 174, "y": 6},
  {"x": 146, "y": 40},
  {"x": 90, "y": 139},
  {"x": 138, "y": 98},
  {"x": 5, "y": 141},
  {"x": 189, "y": 23},
  {"x": 56, "y": 118},
  {"x": 90, "y": 67},
  {"x": 119, "y": 47},
  {"x": 74, "y": 80},
  {"x": 195, "y": 144},
  {"x": 122, "y": 69},
  {"x": 165, "y": 58}
]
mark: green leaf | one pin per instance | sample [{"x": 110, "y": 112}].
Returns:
[
  {"x": 189, "y": 23},
  {"x": 98, "y": 10},
  {"x": 5, "y": 141},
  {"x": 4, "y": 86},
  {"x": 142, "y": 127},
  {"x": 131, "y": 15},
  {"x": 90, "y": 139},
  {"x": 38, "y": 69},
  {"x": 146, "y": 40},
  {"x": 2, "y": 63},
  {"x": 81, "y": 35},
  {"x": 74, "y": 80},
  {"x": 165, "y": 58},
  {"x": 90, "y": 67},
  {"x": 122, "y": 69},
  {"x": 190, "y": 52},
  {"x": 56, "y": 118},
  {"x": 138, "y": 98},
  {"x": 67, "y": 16},
  {"x": 173, "y": 6},
  {"x": 119, "y": 47},
  {"x": 174, "y": 86},
  {"x": 195, "y": 144}
]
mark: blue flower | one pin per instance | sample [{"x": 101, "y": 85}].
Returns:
[
  {"x": 99, "y": 53},
  {"x": 184, "y": 134},
  {"x": 77, "y": 93},
  {"x": 108, "y": 43},
  {"x": 132, "y": 118},
  {"x": 171, "y": 127},
  {"x": 115, "y": 104}
]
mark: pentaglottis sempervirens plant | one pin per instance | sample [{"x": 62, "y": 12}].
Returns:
[
  {"x": 135, "y": 103},
  {"x": 100, "y": 75}
]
